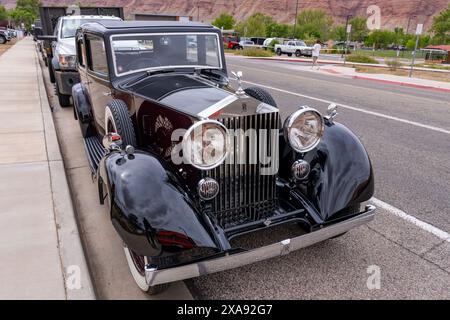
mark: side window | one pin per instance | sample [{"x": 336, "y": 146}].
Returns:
[
  {"x": 96, "y": 55},
  {"x": 80, "y": 53}
]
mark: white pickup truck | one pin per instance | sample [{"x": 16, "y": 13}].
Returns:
[{"x": 297, "y": 47}]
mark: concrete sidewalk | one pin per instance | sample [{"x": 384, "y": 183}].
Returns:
[{"x": 40, "y": 248}]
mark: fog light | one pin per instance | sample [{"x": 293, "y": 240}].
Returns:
[
  {"x": 208, "y": 188},
  {"x": 300, "y": 169}
]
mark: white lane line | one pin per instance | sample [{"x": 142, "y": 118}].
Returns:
[
  {"x": 441, "y": 234},
  {"x": 377, "y": 114}
]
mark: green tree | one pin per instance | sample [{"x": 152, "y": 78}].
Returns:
[
  {"x": 359, "y": 29},
  {"x": 380, "y": 39},
  {"x": 225, "y": 21},
  {"x": 3, "y": 13},
  {"x": 338, "y": 33},
  {"x": 30, "y": 5},
  {"x": 26, "y": 12},
  {"x": 255, "y": 26},
  {"x": 441, "y": 27},
  {"x": 278, "y": 30},
  {"x": 313, "y": 23}
]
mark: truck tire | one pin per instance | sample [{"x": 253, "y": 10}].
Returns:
[
  {"x": 51, "y": 72},
  {"x": 298, "y": 53},
  {"x": 289, "y": 54},
  {"x": 279, "y": 52},
  {"x": 64, "y": 99},
  {"x": 2, "y": 39},
  {"x": 117, "y": 119}
]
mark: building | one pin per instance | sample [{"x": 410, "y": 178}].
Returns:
[
  {"x": 438, "y": 52},
  {"x": 160, "y": 17}
]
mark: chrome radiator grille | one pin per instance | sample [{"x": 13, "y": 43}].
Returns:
[{"x": 247, "y": 193}]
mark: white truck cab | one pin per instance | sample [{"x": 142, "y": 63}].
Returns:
[{"x": 63, "y": 64}]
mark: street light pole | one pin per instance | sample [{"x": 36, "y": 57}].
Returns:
[
  {"x": 295, "y": 20},
  {"x": 346, "y": 27}
]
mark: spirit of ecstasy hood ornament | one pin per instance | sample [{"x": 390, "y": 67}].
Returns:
[{"x": 238, "y": 76}]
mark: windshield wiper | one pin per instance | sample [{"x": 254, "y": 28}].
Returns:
[{"x": 147, "y": 74}]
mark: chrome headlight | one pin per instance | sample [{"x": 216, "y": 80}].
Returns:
[
  {"x": 304, "y": 129},
  {"x": 205, "y": 144},
  {"x": 67, "y": 61}
]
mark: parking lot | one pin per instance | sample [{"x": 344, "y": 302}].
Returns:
[{"x": 406, "y": 133}]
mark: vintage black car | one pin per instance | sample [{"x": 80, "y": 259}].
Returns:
[{"x": 188, "y": 165}]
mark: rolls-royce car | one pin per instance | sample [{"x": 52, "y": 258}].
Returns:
[{"x": 192, "y": 169}]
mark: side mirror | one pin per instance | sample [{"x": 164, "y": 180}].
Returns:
[
  {"x": 112, "y": 141},
  {"x": 47, "y": 38}
]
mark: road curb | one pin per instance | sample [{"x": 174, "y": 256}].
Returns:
[
  {"x": 78, "y": 282},
  {"x": 401, "y": 83}
]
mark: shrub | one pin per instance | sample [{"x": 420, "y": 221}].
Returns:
[
  {"x": 393, "y": 64},
  {"x": 361, "y": 59},
  {"x": 272, "y": 44},
  {"x": 255, "y": 52}
]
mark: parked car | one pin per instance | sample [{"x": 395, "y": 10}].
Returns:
[
  {"x": 231, "y": 42},
  {"x": 187, "y": 165},
  {"x": 299, "y": 48},
  {"x": 246, "y": 44},
  {"x": 62, "y": 65},
  {"x": 4, "y": 36}
]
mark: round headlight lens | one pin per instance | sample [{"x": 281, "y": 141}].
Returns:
[
  {"x": 304, "y": 129},
  {"x": 205, "y": 144}
]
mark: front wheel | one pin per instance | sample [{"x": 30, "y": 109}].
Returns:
[
  {"x": 64, "y": 99},
  {"x": 278, "y": 52},
  {"x": 137, "y": 264},
  {"x": 298, "y": 53},
  {"x": 2, "y": 40}
]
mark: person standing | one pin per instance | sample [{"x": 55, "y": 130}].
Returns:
[{"x": 315, "y": 54}]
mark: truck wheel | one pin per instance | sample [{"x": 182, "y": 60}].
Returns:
[
  {"x": 51, "y": 73},
  {"x": 298, "y": 53},
  {"x": 64, "y": 99},
  {"x": 279, "y": 52},
  {"x": 137, "y": 264},
  {"x": 289, "y": 54},
  {"x": 2, "y": 39},
  {"x": 117, "y": 119}
]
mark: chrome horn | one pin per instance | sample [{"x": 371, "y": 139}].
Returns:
[{"x": 331, "y": 112}]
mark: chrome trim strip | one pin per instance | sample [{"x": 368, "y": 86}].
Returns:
[
  {"x": 217, "y": 106},
  {"x": 155, "y": 277}
]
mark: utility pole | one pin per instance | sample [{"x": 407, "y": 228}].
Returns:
[
  {"x": 418, "y": 33},
  {"x": 295, "y": 20}
]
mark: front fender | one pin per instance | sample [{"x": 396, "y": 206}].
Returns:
[
  {"x": 341, "y": 172},
  {"x": 145, "y": 201}
]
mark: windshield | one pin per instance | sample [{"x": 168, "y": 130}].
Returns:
[
  {"x": 69, "y": 26},
  {"x": 134, "y": 53}
]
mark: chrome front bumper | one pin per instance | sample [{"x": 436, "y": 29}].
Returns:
[{"x": 154, "y": 276}]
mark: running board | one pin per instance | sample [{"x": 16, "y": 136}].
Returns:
[{"x": 94, "y": 151}]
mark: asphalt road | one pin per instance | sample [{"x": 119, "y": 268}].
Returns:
[{"x": 412, "y": 169}]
